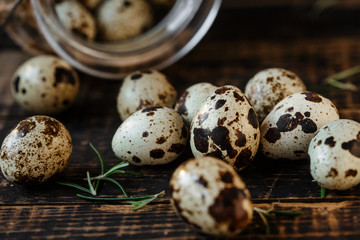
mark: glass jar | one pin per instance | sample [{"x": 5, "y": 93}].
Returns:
[{"x": 165, "y": 43}]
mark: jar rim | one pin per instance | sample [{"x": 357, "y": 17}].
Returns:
[{"x": 162, "y": 45}]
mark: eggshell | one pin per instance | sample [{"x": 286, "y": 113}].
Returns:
[
  {"x": 45, "y": 85},
  {"x": 335, "y": 155},
  {"x": 191, "y": 100},
  {"x": 209, "y": 195},
  {"x": 35, "y": 149},
  {"x": 123, "y": 19},
  {"x": 270, "y": 86},
  {"x": 226, "y": 127},
  {"x": 146, "y": 88},
  {"x": 76, "y": 19},
  {"x": 288, "y": 129},
  {"x": 151, "y": 136}
]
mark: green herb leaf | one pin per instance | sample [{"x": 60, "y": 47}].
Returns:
[
  {"x": 138, "y": 202},
  {"x": 74, "y": 185},
  {"x": 288, "y": 213},
  {"x": 101, "y": 164},
  {"x": 142, "y": 203},
  {"x": 323, "y": 192},
  {"x": 116, "y": 167},
  {"x": 100, "y": 158},
  {"x": 273, "y": 213},
  {"x": 335, "y": 80},
  {"x": 116, "y": 183},
  {"x": 91, "y": 187},
  {"x": 125, "y": 172},
  {"x": 265, "y": 221},
  {"x": 114, "y": 198}
]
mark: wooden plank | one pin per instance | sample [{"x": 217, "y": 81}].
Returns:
[{"x": 325, "y": 220}]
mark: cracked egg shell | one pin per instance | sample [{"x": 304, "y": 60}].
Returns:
[
  {"x": 270, "y": 86},
  {"x": 335, "y": 155},
  {"x": 226, "y": 127},
  {"x": 142, "y": 89},
  {"x": 192, "y": 99},
  {"x": 288, "y": 129},
  {"x": 151, "y": 136},
  {"x": 36, "y": 148},
  {"x": 123, "y": 19},
  {"x": 45, "y": 85},
  {"x": 76, "y": 19},
  {"x": 211, "y": 197}
]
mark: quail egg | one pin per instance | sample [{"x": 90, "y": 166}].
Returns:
[
  {"x": 76, "y": 19},
  {"x": 45, "y": 85},
  {"x": 151, "y": 136},
  {"x": 226, "y": 127},
  {"x": 143, "y": 89},
  {"x": 335, "y": 155},
  {"x": 35, "y": 149},
  {"x": 191, "y": 100},
  {"x": 288, "y": 129},
  {"x": 211, "y": 197},
  {"x": 123, "y": 19},
  {"x": 270, "y": 86}
]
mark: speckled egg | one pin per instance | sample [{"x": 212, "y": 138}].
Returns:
[
  {"x": 123, "y": 19},
  {"x": 45, "y": 85},
  {"x": 36, "y": 149},
  {"x": 288, "y": 129},
  {"x": 143, "y": 89},
  {"x": 226, "y": 127},
  {"x": 270, "y": 86},
  {"x": 191, "y": 100},
  {"x": 151, "y": 136},
  {"x": 76, "y": 19},
  {"x": 335, "y": 155},
  {"x": 211, "y": 197}
]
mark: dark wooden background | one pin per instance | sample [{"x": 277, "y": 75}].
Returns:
[{"x": 245, "y": 38}]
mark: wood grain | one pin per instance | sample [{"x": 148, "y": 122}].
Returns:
[{"x": 229, "y": 54}]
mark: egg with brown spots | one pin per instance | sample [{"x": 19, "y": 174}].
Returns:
[
  {"x": 146, "y": 88},
  {"x": 270, "y": 86},
  {"x": 335, "y": 155},
  {"x": 151, "y": 136},
  {"x": 226, "y": 127},
  {"x": 192, "y": 99},
  {"x": 288, "y": 129},
  {"x": 36, "y": 149},
  {"x": 76, "y": 19},
  {"x": 211, "y": 197},
  {"x": 45, "y": 85},
  {"x": 120, "y": 20}
]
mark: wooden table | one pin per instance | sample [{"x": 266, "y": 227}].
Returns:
[{"x": 242, "y": 41}]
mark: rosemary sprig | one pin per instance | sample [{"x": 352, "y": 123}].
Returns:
[
  {"x": 74, "y": 185},
  {"x": 323, "y": 192},
  {"x": 273, "y": 213},
  {"x": 93, "y": 184},
  {"x": 138, "y": 202},
  {"x": 101, "y": 163},
  {"x": 91, "y": 187},
  {"x": 335, "y": 80}
]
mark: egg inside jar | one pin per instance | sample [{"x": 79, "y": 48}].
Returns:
[{"x": 111, "y": 20}]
